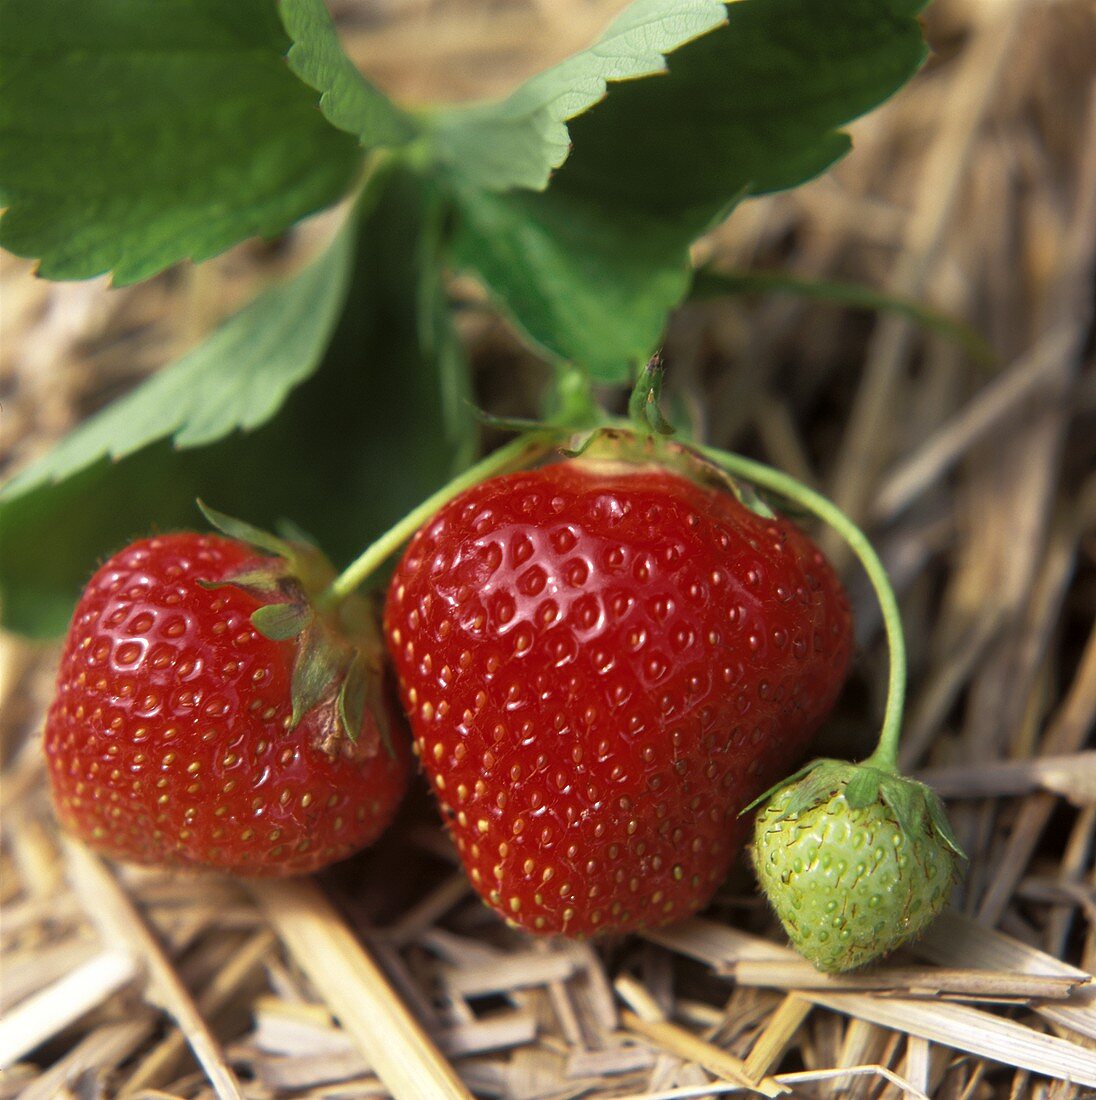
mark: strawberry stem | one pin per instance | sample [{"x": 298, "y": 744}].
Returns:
[
  {"x": 885, "y": 756},
  {"x": 517, "y": 453}
]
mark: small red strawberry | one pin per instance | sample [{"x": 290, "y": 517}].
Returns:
[
  {"x": 184, "y": 732},
  {"x": 604, "y": 661}
]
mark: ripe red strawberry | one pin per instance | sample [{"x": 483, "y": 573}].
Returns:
[
  {"x": 603, "y": 663},
  {"x": 172, "y": 738}
]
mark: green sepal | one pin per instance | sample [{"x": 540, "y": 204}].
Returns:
[
  {"x": 281, "y": 621},
  {"x": 581, "y": 443},
  {"x": 862, "y": 785},
  {"x": 304, "y": 562},
  {"x": 295, "y": 535},
  {"x": 623, "y": 440},
  {"x": 939, "y": 819},
  {"x": 262, "y": 583},
  {"x": 819, "y": 785},
  {"x": 863, "y": 788},
  {"x": 245, "y": 532},
  {"x": 319, "y": 663},
  {"x": 352, "y": 698},
  {"x": 776, "y": 788},
  {"x": 914, "y": 804},
  {"x": 904, "y": 798},
  {"x": 750, "y": 498}
]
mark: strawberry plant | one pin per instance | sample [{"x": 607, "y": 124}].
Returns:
[{"x": 341, "y": 399}]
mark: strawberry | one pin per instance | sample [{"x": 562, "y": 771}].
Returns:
[
  {"x": 603, "y": 660},
  {"x": 855, "y": 860},
  {"x": 181, "y": 734}
]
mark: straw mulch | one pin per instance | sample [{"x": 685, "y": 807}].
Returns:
[{"x": 974, "y": 190}]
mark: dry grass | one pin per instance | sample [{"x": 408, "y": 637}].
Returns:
[{"x": 975, "y": 190}]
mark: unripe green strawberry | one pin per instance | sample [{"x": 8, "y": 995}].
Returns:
[{"x": 855, "y": 861}]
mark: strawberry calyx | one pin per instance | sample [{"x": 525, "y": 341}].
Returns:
[
  {"x": 623, "y": 444},
  {"x": 916, "y": 808},
  {"x": 338, "y": 669}
]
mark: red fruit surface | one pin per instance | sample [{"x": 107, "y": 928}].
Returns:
[
  {"x": 167, "y": 740},
  {"x": 603, "y": 664}
]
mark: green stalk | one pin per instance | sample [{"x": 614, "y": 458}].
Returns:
[
  {"x": 885, "y": 756},
  {"x": 516, "y": 453}
]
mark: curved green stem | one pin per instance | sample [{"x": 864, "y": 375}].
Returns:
[
  {"x": 515, "y": 453},
  {"x": 885, "y": 755}
]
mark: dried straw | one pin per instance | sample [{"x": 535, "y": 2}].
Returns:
[{"x": 974, "y": 189}]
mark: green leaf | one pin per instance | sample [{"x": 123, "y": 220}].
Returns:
[
  {"x": 713, "y": 284},
  {"x": 518, "y": 141},
  {"x": 135, "y": 134},
  {"x": 354, "y": 448},
  {"x": 583, "y": 287},
  {"x": 590, "y": 267},
  {"x": 347, "y": 99},
  {"x": 237, "y": 378}
]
